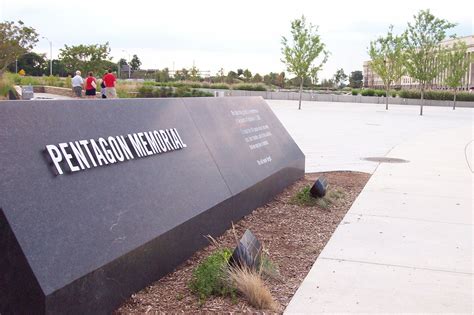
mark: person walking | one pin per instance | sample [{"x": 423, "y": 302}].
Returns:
[
  {"x": 77, "y": 84},
  {"x": 91, "y": 86},
  {"x": 110, "y": 81}
]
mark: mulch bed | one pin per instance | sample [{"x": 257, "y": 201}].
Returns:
[{"x": 293, "y": 235}]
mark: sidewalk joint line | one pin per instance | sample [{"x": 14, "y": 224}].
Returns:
[
  {"x": 407, "y": 218},
  {"x": 400, "y": 266}
]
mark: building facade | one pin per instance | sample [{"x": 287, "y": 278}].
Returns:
[{"x": 372, "y": 80}]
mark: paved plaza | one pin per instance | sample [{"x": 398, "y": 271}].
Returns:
[
  {"x": 406, "y": 244},
  {"x": 337, "y": 136}
]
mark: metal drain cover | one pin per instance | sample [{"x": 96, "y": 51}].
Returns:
[{"x": 381, "y": 159}]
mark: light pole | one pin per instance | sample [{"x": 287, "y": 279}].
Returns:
[
  {"x": 50, "y": 55},
  {"x": 128, "y": 61}
]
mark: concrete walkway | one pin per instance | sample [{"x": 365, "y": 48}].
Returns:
[
  {"x": 406, "y": 244},
  {"x": 337, "y": 136}
]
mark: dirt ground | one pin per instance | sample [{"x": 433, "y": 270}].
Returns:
[{"x": 293, "y": 235}]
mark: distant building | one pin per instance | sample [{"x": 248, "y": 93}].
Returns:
[{"x": 372, "y": 80}]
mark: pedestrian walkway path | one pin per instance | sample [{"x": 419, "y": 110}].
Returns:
[
  {"x": 338, "y": 136},
  {"x": 406, "y": 244}
]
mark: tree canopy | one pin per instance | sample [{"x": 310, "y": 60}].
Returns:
[
  {"x": 423, "y": 48},
  {"x": 387, "y": 55},
  {"x": 300, "y": 53},
  {"x": 16, "y": 39},
  {"x": 86, "y": 58}
]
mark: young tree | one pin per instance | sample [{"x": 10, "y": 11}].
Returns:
[
  {"x": 194, "y": 73},
  {"x": 457, "y": 66},
  {"x": 387, "y": 56},
  {"x": 15, "y": 40},
  {"x": 135, "y": 63},
  {"x": 340, "y": 77},
  {"x": 356, "y": 79},
  {"x": 304, "y": 49},
  {"x": 257, "y": 78},
  {"x": 423, "y": 49},
  {"x": 86, "y": 58},
  {"x": 247, "y": 75}
]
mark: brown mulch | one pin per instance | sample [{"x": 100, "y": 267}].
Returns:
[{"x": 293, "y": 235}]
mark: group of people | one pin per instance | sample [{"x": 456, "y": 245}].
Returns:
[{"x": 107, "y": 85}]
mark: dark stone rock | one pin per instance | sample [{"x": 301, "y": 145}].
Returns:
[
  {"x": 248, "y": 252},
  {"x": 82, "y": 242},
  {"x": 319, "y": 188}
]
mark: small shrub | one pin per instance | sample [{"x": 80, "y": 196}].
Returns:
[
  {"x": 145, "y": 91},
  {"x": 6, "y": 84},
  {"x": 268, "y": 267},
  {"x": 251, "y": 285},
  {"x": 249, "y": 87},
  {"x": 209, "y": 277},
  {"x": 220, "y": 86},
  {"x": 367, "y": 92},
  {"x": 304, "y": 198},
  {"x": 465, "y": 97},
  {"x": 380, "y": 93},
  {"x": 355, "y": 92},
  {"x": 412, "y": 94},
  {"x": 393, "y": 93}
]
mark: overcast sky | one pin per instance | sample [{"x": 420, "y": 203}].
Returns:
[{"x": 228, "y": 34}]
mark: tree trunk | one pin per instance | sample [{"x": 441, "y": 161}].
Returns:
[
  {"x": 301, "y": 93},
  {"x": 454, "y": 101},
  {"x": 386, "y": 97},
  {"x": 422, "y": 100}
]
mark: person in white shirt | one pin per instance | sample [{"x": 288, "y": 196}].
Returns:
[{"x": 77, "y": 84}]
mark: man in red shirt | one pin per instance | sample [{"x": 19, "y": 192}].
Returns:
[{"x": 110, "y": 80}]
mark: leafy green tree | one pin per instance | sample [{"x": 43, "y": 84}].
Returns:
[
  {"x": 181, "y": 75},
  {"x": 86, "y": 58},
  {"x": 15, "y": 39},
  {"x": 422, "y": 40},
  {"x": 58, "y": 68},
  {"x": 247, "y": 75},
  {"x": 162, "y": 75},
  {"x": 231, "y": 77},
  {"x": 356, "y": 79},
  {"x": 135, "y": 63},
  {"x": 280, "y": 80},
  {"x": 388, "y": 59},
  {"x": 220, "y": 76},
  {"x": 194, "y": 73},
  {"x": 33, "y": 64},
  {"x": 257, "y": 78},
  {"x": 457, "y": 66},
  {"x": 340, "y": 77},
  {"x": 122, "y": 62},
  {"x": 304, "y": 49},
  {"x": 240, "y": 72},
  {"x": 327, "y": 83}
]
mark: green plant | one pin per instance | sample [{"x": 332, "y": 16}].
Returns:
[
  {"x": 393, "y": 93},
  {"x": 268, "y": 267},
  {"x": 209, "y": 277},
  {"x": 367, "y": 92},
  {"x": 355, "y": 92},
  {"x": 249, "y": 87},
  {"x": 220, "y": 86},
  {"x": 6, "y": 84},
  {"x": 380, "y": 93},
  {"x": 409, "y": 94},
  {"x": 304, "y": 198}
]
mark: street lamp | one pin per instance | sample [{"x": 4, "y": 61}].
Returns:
[
  {"x": 123, "y": 50},
  {"x": 50, "y": 55}
]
